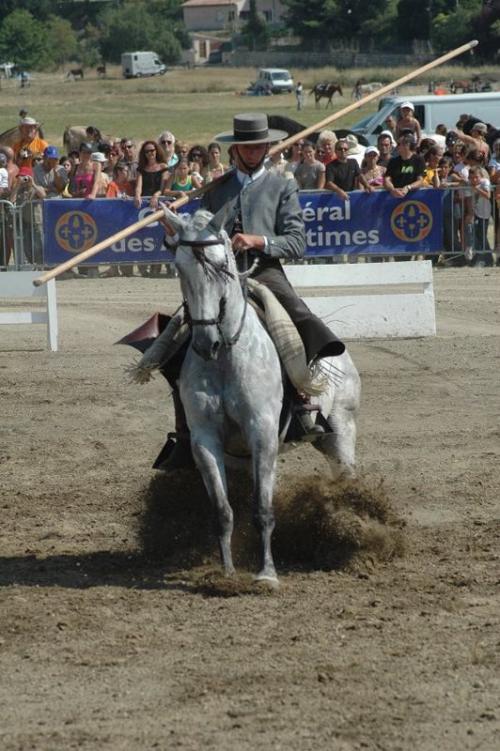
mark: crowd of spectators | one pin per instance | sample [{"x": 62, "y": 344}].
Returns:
[{"x": 458, "y": 161}]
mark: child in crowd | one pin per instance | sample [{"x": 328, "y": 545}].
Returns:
[
  {"x": 481, "y": 200},
  {"x": 408, "y": 122},
  {"x": 181, "y": 181}
]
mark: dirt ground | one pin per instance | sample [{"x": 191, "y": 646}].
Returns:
[{"x": 105, "y": 647}]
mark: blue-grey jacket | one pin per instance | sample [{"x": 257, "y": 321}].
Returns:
[{"x": 269, "y": 206}]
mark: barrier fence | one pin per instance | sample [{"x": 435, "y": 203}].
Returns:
[{"x": 432, "y": 223}]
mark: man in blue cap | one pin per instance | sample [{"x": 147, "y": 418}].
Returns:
[{"x": 48, "y": 175}]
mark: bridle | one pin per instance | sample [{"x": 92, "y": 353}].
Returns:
[{"x": 200, "y": 245}]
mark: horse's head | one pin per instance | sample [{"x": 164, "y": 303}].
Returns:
[{"x": 209, "y": 281}]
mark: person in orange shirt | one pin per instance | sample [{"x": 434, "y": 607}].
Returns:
[{"x": 30, "y": 139}]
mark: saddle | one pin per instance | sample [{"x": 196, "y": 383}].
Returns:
[{"x": 162, "y": 340}]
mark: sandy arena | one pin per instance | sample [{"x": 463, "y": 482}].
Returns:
[{"x": 105, "y": 645}]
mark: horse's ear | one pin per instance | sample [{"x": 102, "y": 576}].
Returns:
[{"x": 175, "y": 220}]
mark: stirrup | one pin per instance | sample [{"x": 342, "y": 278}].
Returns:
[{"x": 310, "y": 429}]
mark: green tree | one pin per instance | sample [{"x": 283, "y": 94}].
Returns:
[
  {"x": 135, "y": 27},
  {"x": 24, "y": 40},
  {"x": 320, "y": 22},
  {"x": 255, "y": 32},
  {"x": 39, "y": 9},
  {"x": 413, "y": 20},
  {"x": 62, "y": 40}
]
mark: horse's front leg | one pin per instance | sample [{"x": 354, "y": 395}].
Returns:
[
  {"x": 264, "y": 454},
  {"x": 208, "y": 453}
]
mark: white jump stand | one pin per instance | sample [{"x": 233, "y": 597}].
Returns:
[
  {"x": 19, "y": 284},
  {"x": 370, "y": 300}
]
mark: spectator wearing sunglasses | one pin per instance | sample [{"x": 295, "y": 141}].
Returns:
[
  {"x": 167, "y": 141},
  {"x": 344, "y": 174},
  {"x": 152, "y": 173},
  {"x": 129, "y": 156},
  {"x": 198, "y": 161}
]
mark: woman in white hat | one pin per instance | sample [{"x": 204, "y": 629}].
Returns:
[
  {"x": 407, "y": 122},
  {"x": 372, "y": 171}
]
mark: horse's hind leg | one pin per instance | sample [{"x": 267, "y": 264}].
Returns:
[
  {"x": 209, "y": 457},
  {"x": 339, "y": 447}
]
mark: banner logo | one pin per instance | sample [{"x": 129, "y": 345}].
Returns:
[
  {"x": 411, "y": 221},
  {"x": 76, "y": 231}
]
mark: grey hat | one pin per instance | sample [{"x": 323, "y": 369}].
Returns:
[{"x": 251, "y": 128}]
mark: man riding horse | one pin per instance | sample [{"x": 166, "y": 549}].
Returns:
[{"x": 261, "y": 213}]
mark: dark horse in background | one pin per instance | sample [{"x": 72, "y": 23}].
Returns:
[{"x": 325, "y": 91}]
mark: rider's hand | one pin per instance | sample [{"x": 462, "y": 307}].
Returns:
[{"x": 242, "y": 241}]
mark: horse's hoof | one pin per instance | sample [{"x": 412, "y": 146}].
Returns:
[{"x": 268, "y": 580}]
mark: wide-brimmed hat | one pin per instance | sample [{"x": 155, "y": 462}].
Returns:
[
  {"x": 354, "y": 145},
  {"x": 98, "y": 156},
  {"x": 251, "y": 128},
  {"x": 29, "y": 121}
]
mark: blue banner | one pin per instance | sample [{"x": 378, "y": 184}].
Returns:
[{"x": 367, "y": 223}]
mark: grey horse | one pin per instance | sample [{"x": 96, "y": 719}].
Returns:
[{"x": 231, "y": 383}]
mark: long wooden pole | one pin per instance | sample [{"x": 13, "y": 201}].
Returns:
[{"x": 157, "y": 215}]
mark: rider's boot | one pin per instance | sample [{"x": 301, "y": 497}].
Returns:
[
  {"x": 177, "y": 454},
  {"x": 303, "y": 415}
]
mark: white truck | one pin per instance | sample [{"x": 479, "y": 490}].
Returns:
[
  {"x": 430, "y": 110},
  {"x": 139, "y": 64}
]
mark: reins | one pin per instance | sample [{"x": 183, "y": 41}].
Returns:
[{"x": 232, "y": 340}]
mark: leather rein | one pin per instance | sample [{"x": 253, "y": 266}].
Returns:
[{"x": 227, "y": 341}]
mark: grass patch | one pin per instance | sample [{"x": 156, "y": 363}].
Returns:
[{"x": 195, "y": 104}]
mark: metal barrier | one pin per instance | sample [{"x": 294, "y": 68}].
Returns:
[
  {"x": 21, "y": 235},
  {"x": 470, "y": 234}
]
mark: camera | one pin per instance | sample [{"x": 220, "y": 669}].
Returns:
[{"x": 24, "y": 179}]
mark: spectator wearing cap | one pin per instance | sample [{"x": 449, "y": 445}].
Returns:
[
  {"x": 408, "y": 122},
  {"x": 167, "y": 141},
  {"x": 477, "y": 138},
  {"x": 104, "y": 179},
  {"x": 30, "y": 139},
  {"x": 49, "y": 174},
  {"x": 373, "y": 172}
]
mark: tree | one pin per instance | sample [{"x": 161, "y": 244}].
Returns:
[
  {"x": 255, "y": 32},
  {"x": 24, "y": 41},
  {"x": 320, "y": 22},
  {"x": 134, "y": 27},
  {"x": 413, "y": 20},
  {"x": 62, "y": 40}
]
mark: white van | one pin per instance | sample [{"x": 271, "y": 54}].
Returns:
[
  {"x": 277, "y": 80},
  {"x": 431, "y": 110},
  {"x": 138, "y": 64}
]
